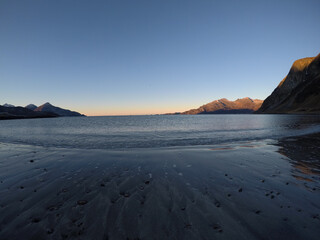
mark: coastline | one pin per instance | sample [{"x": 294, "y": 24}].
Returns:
[{"x": 253, "y": 190}]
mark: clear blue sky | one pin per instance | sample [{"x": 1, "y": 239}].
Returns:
[{"x": 149, "y": 56}]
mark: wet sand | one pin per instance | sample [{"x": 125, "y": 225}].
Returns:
[{"x": 252, "y": 190}]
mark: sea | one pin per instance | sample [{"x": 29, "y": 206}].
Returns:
[{"x": 154, "y": 131}]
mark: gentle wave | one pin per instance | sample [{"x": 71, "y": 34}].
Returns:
[{"x": 154, "y": 131}]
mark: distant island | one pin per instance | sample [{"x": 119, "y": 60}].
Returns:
[
  {"x": 299, "y": 91},
  {"x": 8, "y": 111}
]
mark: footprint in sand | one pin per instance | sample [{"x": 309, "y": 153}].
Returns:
[
  {"x": 257, "y": 212},
  {"x": 316, "y": 216},
  {"x": 217, "y": 227}
]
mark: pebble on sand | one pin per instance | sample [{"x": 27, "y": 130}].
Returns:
[
  {"x": 36, "y": 220},
  {"x": 126, "y": 195},
  {"x": 82, "y": 202},
  {"x": 188, "y": 225}
]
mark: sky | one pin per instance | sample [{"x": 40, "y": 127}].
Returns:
[{"x": 123, "y": 57}]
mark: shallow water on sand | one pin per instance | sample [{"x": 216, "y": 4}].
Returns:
[
  {"x": 122, "y": 132},
  {"x": 232, "y": 192}
]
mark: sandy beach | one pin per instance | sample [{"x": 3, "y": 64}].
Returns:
[{"x": 249, "y": 190}]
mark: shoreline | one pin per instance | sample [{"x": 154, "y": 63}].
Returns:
[{"x": 251, "y": 191}]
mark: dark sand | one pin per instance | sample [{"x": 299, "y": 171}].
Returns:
[{"x": 252, "y": 190}]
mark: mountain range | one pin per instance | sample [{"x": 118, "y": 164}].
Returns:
[
  {"x": 8, "y": 111},
  {"x": 224, "y": 106},
  {"x": 21, "y": 112}
]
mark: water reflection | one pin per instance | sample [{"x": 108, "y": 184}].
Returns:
[{"x": 304, "y": 155}]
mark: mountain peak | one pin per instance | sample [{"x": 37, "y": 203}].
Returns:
[
  {"x": 31, "y": 106},
  {"x": 247, "y": 98},
  {"x": 48, "y": 107},
  {"x": 8, "y": 105},
  {"x": 301, "y": 64}
]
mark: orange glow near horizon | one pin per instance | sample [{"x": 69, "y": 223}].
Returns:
[
  {"x": 131, "y": 111},
  {"x": 136, "y": 109}
]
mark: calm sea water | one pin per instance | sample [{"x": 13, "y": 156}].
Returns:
[{"x": 121, "y": 132}]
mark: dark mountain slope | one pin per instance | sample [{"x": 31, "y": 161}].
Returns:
[{"x": 299, "y": 91}]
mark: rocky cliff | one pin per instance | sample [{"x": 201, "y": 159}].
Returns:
[
  {"x": 299, "y": 91},
  {"x": 224, "y": 106}
]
